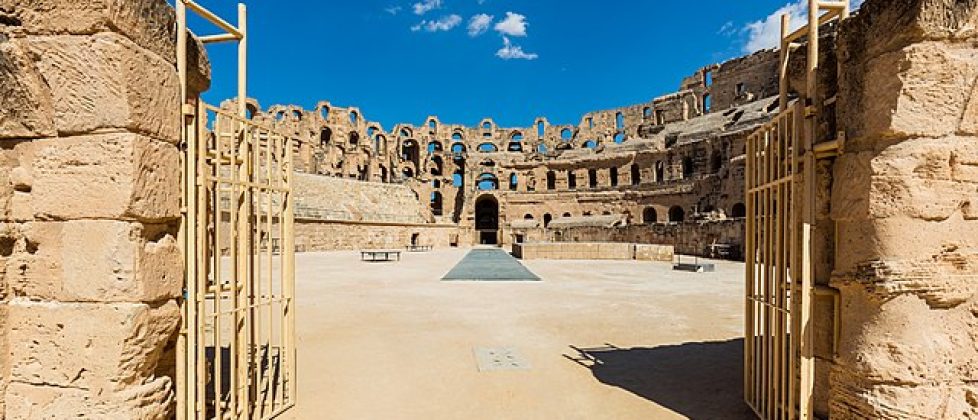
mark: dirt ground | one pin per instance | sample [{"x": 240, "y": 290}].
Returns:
[{"x": 392, "y": 341}]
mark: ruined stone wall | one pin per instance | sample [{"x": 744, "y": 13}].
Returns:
[
  {"x": 902, "y": 195},
  {"x": 90, "y": 270},
  {"x": 688, "y": 238},
  {"x": 335, "y": 213},
  {"x": 329, "y": 235}
]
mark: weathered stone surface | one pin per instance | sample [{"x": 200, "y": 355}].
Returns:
[
  {"x": 122, "y": 176},
  {"x": 69, "y": 349},
  {"x": 105, "y": 81},
  {"x": 4, "y": 358},
  {"x": 149, "y": 23},
  {"x": 26, "y": 109},
  {"x": 919, "y": 90},
  {"x": 95, "y": 261}
]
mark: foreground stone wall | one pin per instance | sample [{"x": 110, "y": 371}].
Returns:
[
  {"x": 320, "y": 235},
  {"x": 90, "y": 270},
  {"x": 903, "y": 197}
]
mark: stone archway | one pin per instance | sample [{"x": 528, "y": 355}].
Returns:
[{"x": 487, "y": 220}]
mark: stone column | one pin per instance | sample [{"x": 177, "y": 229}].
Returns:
[
  {"x": 907, "y": 257},
  {"x": 90, "y": 268}
]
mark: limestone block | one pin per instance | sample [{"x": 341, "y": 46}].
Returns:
[
  {"x": 96, "y": 261},
  {"x": 149, "y": 23},
  {"x": 98, "y": 348},
  {"x": 920, "y": 90},
  {"x": 26, "y": 110},
  {"x": 105, "y": 81},
  {"x": 117, "y": 176},
  {"x": 4, "y": 359}
]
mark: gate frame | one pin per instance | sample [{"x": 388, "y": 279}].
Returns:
[
  {"x": 191, "y": 377},
  {"x": 793, "y": 261}
]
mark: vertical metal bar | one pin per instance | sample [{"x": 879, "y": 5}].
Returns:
[
  {"x": 288, "y": 278},
  {"x": 184, "y": 404},
  {"x": 749, "y": 268}
]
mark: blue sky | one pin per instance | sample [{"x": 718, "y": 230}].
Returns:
[{"x": 402, "y": 60}]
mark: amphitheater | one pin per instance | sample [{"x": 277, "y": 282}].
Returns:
[{"x": 787, "y": 235}]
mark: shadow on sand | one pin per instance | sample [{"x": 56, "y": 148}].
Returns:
[{"x": 697, "y": 380}]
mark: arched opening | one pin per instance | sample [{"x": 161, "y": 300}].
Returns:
[
  {"x": 324, "y": 112},
  {"x": 437, "y": 166},
  {"x": 687, "y": 167},
  {"x": 647, "y": 112},
  {"x": 515, "y": 146},
  {"x": 371, "y": 131},
  {"x": 409, "y": 152},
  {"x": 676, "y": 214},
  {"x": 590, "y": 144},
  {"x": 487, "y": 125},
  {"x": 619, "y": 121},
  {"x": 457, "y": 179},
  {"x": 650, "y": 216},
  {"x": 383, "y": 174},
  {"x": 613, "y": 176},
  {"x": 566, "y": 134},
  {"x": 354, "y": 138},
  {"x": 738, "y": 211},
  {"x": 551, "y": 180},
  {"x": 546, "y": 219},
  {"x": 592, "y": 178},
  {"x": 380, "y": 143},
  {"x": 487, "y": 182},
  {"x": 432, "y": 124},
  {"x": 541, "y": 129},
  {"x": 620, "y": 138},
  {"x": 325, "y": 137},
  {"x": 636, "y": 174},
  {"x": 660, "y": 172},
  {"x": 407, "y": 173},
  {"x": 571, "y": 180},
  {"x": 250, "y": 111},
  {"x": 542, "y": 148},
  {"x": 297, "y": 114},
  {"x": 458, "y": 148},
  {"x": 456, "y": 136},
  {"x": 405, "y": 132},
  {"x": 513, "y": 181},
  {"x": 528, "y": 216},
  {"x": 487, "y": 148},
  {"x": 487, "y": 219},
  {"x": 566, "y": 215},
  {"x": 436, "y": 203},
  {"x": 715, "y": 162},
  {"x": 354, "y": 117},
  {"x": 434, "y": 146}
]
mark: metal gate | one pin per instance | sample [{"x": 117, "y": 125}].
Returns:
[
  {"x": 236, "y": 350},
  {"x": 779, "y": 363}
]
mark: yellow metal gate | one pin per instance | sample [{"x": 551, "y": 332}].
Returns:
[
  {"x": 776, "y": 303},
  {"x": 779, "y": 362},
  {"x": 236, "y": 353}
]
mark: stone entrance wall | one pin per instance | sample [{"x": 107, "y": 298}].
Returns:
[
  {"x": 90, "y": 269},
  {"x": 902, "y": 196}
]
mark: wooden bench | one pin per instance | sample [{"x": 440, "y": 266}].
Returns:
[
  {"x": 419, "y": 248},
  {"x": 375, "y": 256}
]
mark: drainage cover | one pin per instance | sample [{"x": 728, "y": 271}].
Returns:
[{"x": 499, "y": 358}]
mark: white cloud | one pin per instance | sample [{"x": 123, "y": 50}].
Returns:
[
  {"x": 766, "y": 33},
  {"x": 514, "y": 25},
  {"x": 510, "y": 51},
  {"x": 479, "y": 24},
  {"x": 393, "y": 10},
  {"x": 445, "y": 23},
  {"x": 727, "y": 29},
  {"x": 426, "y": 6}
]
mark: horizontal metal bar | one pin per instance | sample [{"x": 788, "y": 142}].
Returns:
[
  {"x": 213, "y": 39},
  {"x": 771, "y": 184},
  {"x": 262, "y": 187},
  {"x": 213, "y": 18},
  {"x": 823, "y": 19}
]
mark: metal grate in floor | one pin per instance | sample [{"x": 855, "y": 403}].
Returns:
[{"x": 490, "y": 359}]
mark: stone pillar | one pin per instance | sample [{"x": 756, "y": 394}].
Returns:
[
  {"x": 907, "y": 257},
  {"x": 90, "y": 268}
]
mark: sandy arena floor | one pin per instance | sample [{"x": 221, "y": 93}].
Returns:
[{"x": 389, "y": 341}]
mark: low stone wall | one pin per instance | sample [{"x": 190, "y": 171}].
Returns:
[
  {"x": 689, "y": 238},
  {"x": 318, "y": 235},
  {"x": 592, "y": 251}
]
